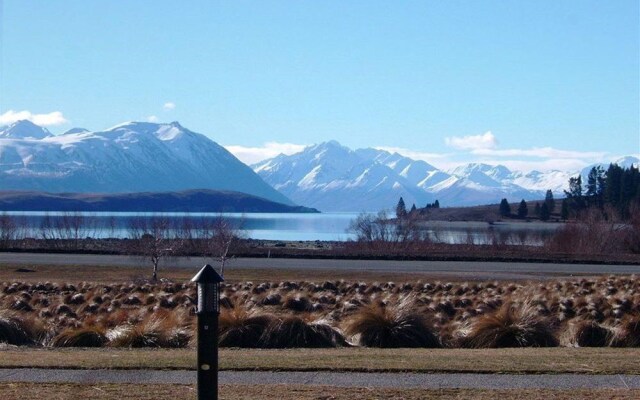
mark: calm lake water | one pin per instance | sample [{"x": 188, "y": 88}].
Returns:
[{"x": 325, "y": 226}]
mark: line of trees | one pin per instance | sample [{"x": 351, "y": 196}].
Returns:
[
  {"x": 617, "y": 188},
  {"x": 152, "y": 238},
  {"x": 401, "y": 208},
  {"x": 543, "y": 212}
]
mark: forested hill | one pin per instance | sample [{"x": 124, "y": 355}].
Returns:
[{"x": 183, "y": 201}]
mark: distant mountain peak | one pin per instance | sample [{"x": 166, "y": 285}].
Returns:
[
  {"x": 24, "y": 129},
  {"x": 129, "y": 157},
  {"x": 75, "y": 131},
  {"x": 627, "y": 162}
]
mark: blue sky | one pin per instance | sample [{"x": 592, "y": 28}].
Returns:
[{"x": 545, "y": 84}]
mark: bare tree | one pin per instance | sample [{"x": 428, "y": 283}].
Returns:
[
  {"x": 382, "y": 233},
  {"x": 48, "y": 231},
  {"x": 220, "y": 236},
  {"x": 8, "y": 230},
  {"x": 152, "y": 239},
  {"x": 69, "y": 227}
]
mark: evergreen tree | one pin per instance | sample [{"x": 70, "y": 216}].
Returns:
[
  {"x": 505, "y": 208},
  {"x": 564, "y": 212},
  {"x": 522, "y": 209},
  {"x": 413, "y": 208},
  {"x": 536, "y": 210},
  {"x": 574, "y": 195},
  {"x": 401, "y": 209},
  {"x": 595, "y": 183},
  {"x": 436, "y": 204},
  {"x": 544, "y": 212},
  {"x": 613, "y": 185},
  {"x": 549, "y": 200}
]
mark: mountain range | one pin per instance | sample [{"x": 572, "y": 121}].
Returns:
[
  {"x": 152, "y": 157},
  {"x": 329, "y": 176}
]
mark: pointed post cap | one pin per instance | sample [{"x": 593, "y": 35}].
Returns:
[{"x": 207, "y": 274}]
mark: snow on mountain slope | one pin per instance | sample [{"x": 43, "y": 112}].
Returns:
[
  {"x": 512, "y": 181},
  {"x": 624, "y": 162},
  {"x": 331, "y": 177},
  {"x": 131, "y": 157},
  {"x": 556, "y": 181}
]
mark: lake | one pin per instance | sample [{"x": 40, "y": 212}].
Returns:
[{"x": 287, "y": 226}]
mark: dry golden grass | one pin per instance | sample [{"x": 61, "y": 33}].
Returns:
[
  {"x": 433, "y": 313},
  {"x": 526, "y": 360},
  {"x": 61, "y": 391},
  {"x": 115, "y": 274}
]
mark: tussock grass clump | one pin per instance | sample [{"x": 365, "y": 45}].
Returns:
[
  {"x": 159, "y": 329},
  {"x": 238, "y": 328},
  {"x": 83, "y": 337},
  {"x": 294, "y": 331},
  {"x": 13, "y": 331},
  {"x": 513, "y": 325},
  {"x": 391, "y": 327},
  {"x": 627, "y": 334},
  {"x": 297, "y": 303},
  {"x": 589, "y": 334}
]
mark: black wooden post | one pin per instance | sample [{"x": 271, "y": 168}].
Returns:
[{"x": 208, "y": 282}]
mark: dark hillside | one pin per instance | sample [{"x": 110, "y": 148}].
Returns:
[{"x": 184, "y": 201}]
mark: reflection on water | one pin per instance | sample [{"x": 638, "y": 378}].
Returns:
[{"x": 325, "y": 226}]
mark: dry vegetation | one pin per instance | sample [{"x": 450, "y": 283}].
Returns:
[
  {"x": 61, "y": 391},
  {"x": 293, "y": 314}
]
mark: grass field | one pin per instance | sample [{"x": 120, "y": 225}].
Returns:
[
  {"x": 50, "y": 391},
  {"x": 114, "y": 274},
  {"x": 519, "y": 361}
]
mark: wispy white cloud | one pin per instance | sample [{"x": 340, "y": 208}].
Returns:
[
  {"x": 152, "y": 118},
  {"x": 560, "y": 164},
  {"x": 484, "y": 148},
  {"x": 252, "y": 155},
  {"x": 416, "y": 155},
  {"x": 168, "y": 106},
  {"x": 49, "y": 119},
  {"x": 472, "y": 142},
  {"x": 540, "y": 152}
]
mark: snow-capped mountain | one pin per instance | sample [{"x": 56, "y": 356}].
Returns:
[
  {"x": 331, "y": 177},
  {"x": 131, "y": 157},
  {"x": 624, "y": 162},
  {"x": 514, "y": 182}
]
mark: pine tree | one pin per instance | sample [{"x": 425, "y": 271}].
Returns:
[
  {"x": 401, "y": 209},
  {"x": 564, "y": 212},
  {"x": 505, "y": 208},
  {"x": 536, "y": 210},
  {"x": 595, "y": 189},
  {"x": 549, "y": 200},
  {"x": 413, "y": 208},
  {"x": 545, "y": 213},
  {"x": 522, "y": 209},
  {"x": 574, "y": 195},
  {"x": 436, "y": 204}
]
